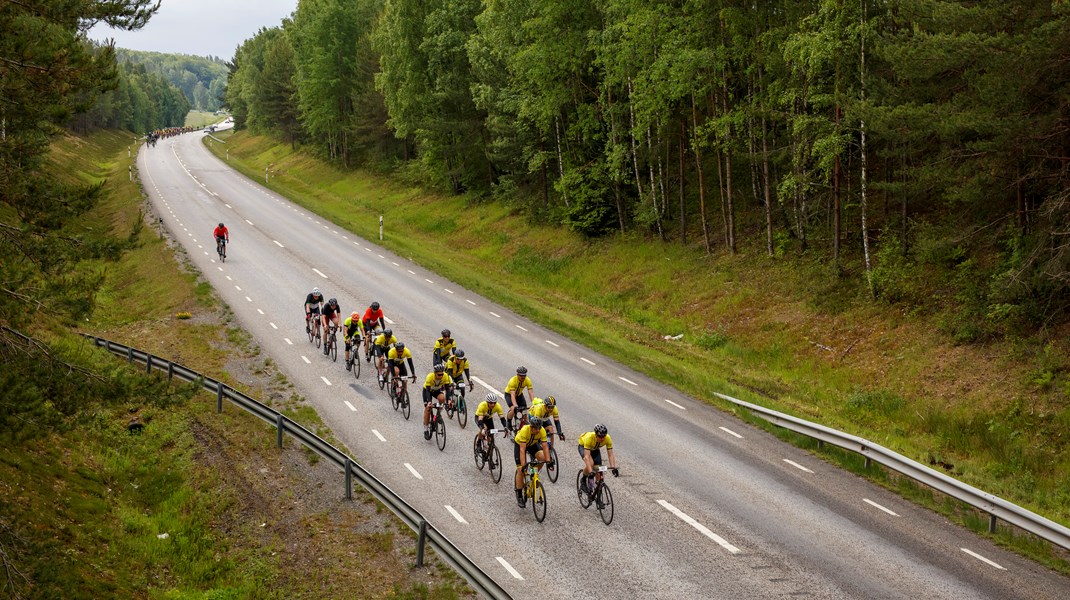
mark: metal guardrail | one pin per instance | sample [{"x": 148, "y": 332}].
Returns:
[
  {"x": 996, "y": 507},
  {"x": 427, "y": 533}
]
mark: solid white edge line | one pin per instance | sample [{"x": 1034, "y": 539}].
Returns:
[
  {"x": 983, "y": 559},
  {"x": 797, "y": 465},
  {"x": 274, "y": 326},
  {"x": 305, "y": 358},
  {"x": 413, "y": 471},
  {"x": 351, "y": 407},
  {"x": 325, "y": 380},
  {"x": 509, "y": 567},
  {"x": 379, "y": 435},
  {"x": 730, "y": 432},
  {"x": 456, "y": 515},
  {"x": 552, "y": 344},
  {"x": 627, "y": 380},
  {"x": 874, "y": 504},
  {"x": 699, "y": 526},
  {"x": 587, "y": 361}
]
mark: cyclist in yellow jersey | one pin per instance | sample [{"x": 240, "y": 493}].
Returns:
[
  {"x": 514, "y": 391},
  {"x": 485, "y": 415},
  {"x": 456, "y": 366},
  {"x": 352, "y": 331},
  {"x": 530, "y": 443},
  {"x": 395, "y": 361},
  {"x": 436, "y": 386},
  {"x": 382, "y": 344},
  {"x": 589, "y": 447},
  {"x": 444, "y": 348},
  {"x": 547, "y": 409}
]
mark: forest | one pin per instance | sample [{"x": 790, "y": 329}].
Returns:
[
  {"x": 201, "y": 79},
  {"x": 919, "y": 147}
]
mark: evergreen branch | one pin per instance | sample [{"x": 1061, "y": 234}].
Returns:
[{"x": 12, "y": 572}]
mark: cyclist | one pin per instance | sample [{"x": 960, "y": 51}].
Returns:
[
  {"x": 373, "y": 317},
  {"x": 457, "y": 368},
  {"x": 330, "y": 313},
  {"x": 530, "y": 443},
  {"x": 222, "y": 236},
  {"x": 352, "y": 329},
  {"x": 436, "y": 386},
  {"x": 547, "y": 409},
  {"x": 313, "y": 302},
  {"x": 590, "y": 445},
  {"x": 444, "y": 348},
  {"x": 395, "y": 360},
  {"x": 485, "y": 415},
  {"x": 382, "y": 344},
  {"x": 514, "y": 392}
]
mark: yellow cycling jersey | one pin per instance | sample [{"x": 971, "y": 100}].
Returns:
[
  {"x": 484, "y": 409},
  {"x": 514, "y": 383},
  {"x": 382, "y": 342},
  {"x": 528, "y": 436},
  {"x": 431, "y": 384},
  {"x": 445, "y": 347},
  {"x": 455, "y": 367},
  {"x": 352, "y": 327},
  {"x": 543, "y": 410},
  {"x": 590, "y": 441},
  {"x": 393, "y": 354}
]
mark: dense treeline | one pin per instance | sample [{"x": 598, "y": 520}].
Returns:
[
  {"x": 922, "y": 145},
  {"x": 141, "y": 102},
  {"x": 201, "y": 79}
]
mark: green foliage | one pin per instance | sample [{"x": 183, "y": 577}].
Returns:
[
  {"x": 201, "y": 79},
  {"x": 711, "y": 340}
]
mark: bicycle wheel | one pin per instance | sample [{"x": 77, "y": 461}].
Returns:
[
  {"x": 355, "y": 364},
  {"x": 440, "y": 433},
  {"x": 406, "y": 408},
  {"x": 495, "y": 462},
  {"x": 479, "y": 452},
  {"x": 585, "y": 499},
  {"x": 395, "y": 401},
  {"x": 462, "y": 412},
  {"x": 538, "y": 502},
  {"x": 382, "y": 380},
  {"x": 334, "y": 348},
  {"x": 450, "y": 407},
  {"x": 606, "y": 507},
  {"x": 311, "y": 334},
  {"x": 555, "y": 472},
  {"x": 319, "y": 338}
]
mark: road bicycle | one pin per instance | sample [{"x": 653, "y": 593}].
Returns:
[
  {"x": 399, "y": 394},
  {"x": 486, "y": 453},
  {"x": 533, "y": 489},
  {"x": 312, "y": 328},
  {"x": 369, "y": 344},
  {"x": 330, "y": 345},
  {"x": 456, "y": 405},
  {"x": 553, "y": 472},
  {"x": 438, "y": 424},
  {"x": 600, "y": 495},
  {"x": 354, "y": 357},
  {"x": 221, "y": 249}
]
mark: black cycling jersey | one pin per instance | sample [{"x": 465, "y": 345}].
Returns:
[
  {"x": 329, "y": 311},
  {"x": 314, "y": 301}
]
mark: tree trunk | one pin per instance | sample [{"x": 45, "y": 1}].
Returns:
[
  {"x": 701, "y": 178},
  {"x": 683, "y": 216},
  {"x": 766, "y": 190},
  {"x": 560, "y": 158},
  {"x": 836, "y": 232},
  {"x": 865, "y": 228}
]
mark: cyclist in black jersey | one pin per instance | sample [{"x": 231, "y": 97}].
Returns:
[{"x": 313, "y": 302}]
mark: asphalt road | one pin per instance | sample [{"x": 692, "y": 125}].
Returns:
[{"x": 706, "y": 506}]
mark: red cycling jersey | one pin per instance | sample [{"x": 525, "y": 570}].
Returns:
[
  {"x": 372, "y": 315},
  {"x": 221, "y": 232}
]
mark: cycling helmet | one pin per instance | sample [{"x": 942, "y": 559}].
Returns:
[
  {"x": 399, "y": 346},
  {"x": 600, "y": 430},
  {"x": 551, "y": 401},
  {"x": 221, "y": 224},
  {"x": 459, "y": 353},
  {"x": 375, "y": 306},
  {"x": 355, "y": 316},
  {"x": 536, "y": 423},
  {"x": 389, "y": 333},
  {"x": 491, "y": 398},
  {"x": 521, "y": 370},
  {"x": 333, "y": 302},
  {"x": 315, "y": 291},
  {"x": 445, "y": 333},
  {"x": 440, "y": 368}
]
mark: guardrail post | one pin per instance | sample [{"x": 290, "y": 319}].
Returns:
[
  {"x": 991, "y": 523},
  {"x": 281, "y": 425},
  {"x": 867, "y": 463},
  {"x": 420, "y": 544},
  {"x": 107, "y": 345},
  {"x": 349, "y": 478},
  {"x": 129, "y": 354},
  {"x": 170, "y": 370},
  {"x": 820, "y": 444},
  {"x": 218, "y": 397},
  {"x": 148, "y": 364}
]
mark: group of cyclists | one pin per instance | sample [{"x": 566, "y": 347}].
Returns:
[{"x": 531, "y": 426}]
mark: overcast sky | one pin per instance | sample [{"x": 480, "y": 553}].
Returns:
[{"x": 200, "y": 27}]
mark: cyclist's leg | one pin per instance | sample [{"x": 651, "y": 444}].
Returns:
[{"x": 518, "y": 480}]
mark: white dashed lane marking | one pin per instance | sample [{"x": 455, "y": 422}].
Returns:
[
  {"x": 414, "y": 472},
  {"x": 587, "y": 361},
  {"x": 509, "y": 567},
  {"x": 797, "y": 465},
  {"x": 872, "y": 503},
  {"x": 699, "y": 526},
  {"x": 983, "y": 559},
  {"x": 379, "y": 435},
  {"x": 456, "y": 515},
  {"x": 728, "y": 431}
]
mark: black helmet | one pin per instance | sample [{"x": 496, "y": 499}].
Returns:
[
  {"x": 375, "y": 306},
  {"x": 389, "y": 333},
  {"x": 536, "y": 423},
  {"x": 221, "y": 224},
  {"x": 445, "y": 333},
  {"x": 333, "y": 302},
  {"x": 600, "y": 430},
  {"x": 440, "y": 368},
  {"x": 521, "y": 370},
  {"x": 459, "y": 353},
  {"x": 551, "y": 401},
  {"x": 399, "y": 346}
]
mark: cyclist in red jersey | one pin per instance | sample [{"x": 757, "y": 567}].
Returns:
[{"x": 373, "y": 317}]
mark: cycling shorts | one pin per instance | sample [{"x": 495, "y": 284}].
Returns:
[
  {"x": 400, "y": 364},
  {"x": 521, "y": 401},
  {"x": 596, "y": 454},
  {"x": 532, "y": 449}
]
